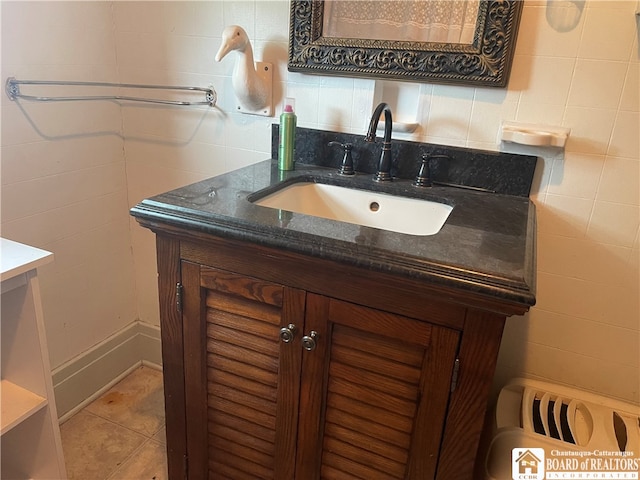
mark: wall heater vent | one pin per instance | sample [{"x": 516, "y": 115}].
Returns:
[{"x": 534, "y": 414}]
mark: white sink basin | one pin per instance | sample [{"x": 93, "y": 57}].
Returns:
[{"x": 371, "y": 209}]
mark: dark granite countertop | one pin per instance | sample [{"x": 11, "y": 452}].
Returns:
[{"x": 487, "y": 245}]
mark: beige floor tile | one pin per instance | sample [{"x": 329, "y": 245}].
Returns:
[
  {"x": 161, "y": 435},
  {"x": 94, "y": 447},
  {"x": 136, "y": 402},
  {"x": 147, "y": 463}
]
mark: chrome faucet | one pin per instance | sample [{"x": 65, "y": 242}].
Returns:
[{"x": 384, "y": 166}]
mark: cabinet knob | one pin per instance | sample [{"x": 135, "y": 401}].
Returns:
[
  {"x": 309, "y": 341},
  {"x": 287, "y": 333}
]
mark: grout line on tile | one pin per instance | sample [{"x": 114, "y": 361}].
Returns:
[{"x": 110, "y": 476}]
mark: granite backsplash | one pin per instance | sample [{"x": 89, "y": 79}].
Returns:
[{"x": 504, "y": 173}]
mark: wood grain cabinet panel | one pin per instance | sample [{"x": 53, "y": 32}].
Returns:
[
  {"x": 374, "y": 387},
  {"x": 274, "y": 372},
  {"x": 364, "y": 402},
  {"x": 242, "y": 414}
]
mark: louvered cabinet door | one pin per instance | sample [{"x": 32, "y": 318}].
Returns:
[
  {"x": 242, "y": 389},
  {"x": 374, "y": 392}
]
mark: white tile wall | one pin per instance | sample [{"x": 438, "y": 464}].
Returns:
[
  {"x": 64, "y": 185},
  {"x": 576, "y": 65}
]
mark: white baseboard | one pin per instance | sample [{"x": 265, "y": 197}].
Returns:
[{"x": 83, "y": 379}]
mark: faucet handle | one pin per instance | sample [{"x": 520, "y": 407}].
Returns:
[
  {"x": 347, "y": 161},
  {"x": 423, "y": 179}
]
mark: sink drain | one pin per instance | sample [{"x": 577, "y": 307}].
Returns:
[{"x": 374, "y": 206}]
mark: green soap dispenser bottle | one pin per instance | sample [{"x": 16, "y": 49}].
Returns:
[{"x": 287, "y": 138}]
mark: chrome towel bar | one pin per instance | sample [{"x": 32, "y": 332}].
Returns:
[{"x": 12, "y": 87}]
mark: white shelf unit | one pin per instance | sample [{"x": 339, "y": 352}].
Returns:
[
  {"x": 18, "y": 404},
  {"x": 30, "y": 445}
]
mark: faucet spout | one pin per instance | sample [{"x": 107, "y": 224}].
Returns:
[{"x": 384, "y": 166}]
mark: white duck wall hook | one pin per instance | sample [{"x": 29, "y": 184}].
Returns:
[{"x": 252, "y": 83}]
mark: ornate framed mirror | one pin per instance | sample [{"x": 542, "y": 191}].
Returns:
[{"x": 468, "y": 42}]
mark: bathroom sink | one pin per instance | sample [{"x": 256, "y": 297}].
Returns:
[{"x": 411, "y": 216}]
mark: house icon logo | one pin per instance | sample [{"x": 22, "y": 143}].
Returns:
[{"x": 527, "y": 463}]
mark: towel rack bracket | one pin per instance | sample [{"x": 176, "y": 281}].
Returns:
[
  {"x": 211, "y": 96},
  {"x": 12, "y": 88}
]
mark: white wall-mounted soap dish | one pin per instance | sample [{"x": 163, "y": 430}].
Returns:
[
  {"x": 534, "y": 135},
  {"x": 403, "y": 127}
]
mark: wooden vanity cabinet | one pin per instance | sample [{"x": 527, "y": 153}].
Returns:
[{"x": 282, "y": 366}]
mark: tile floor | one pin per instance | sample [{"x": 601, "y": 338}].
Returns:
[{"x": 119, "y": 436}]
